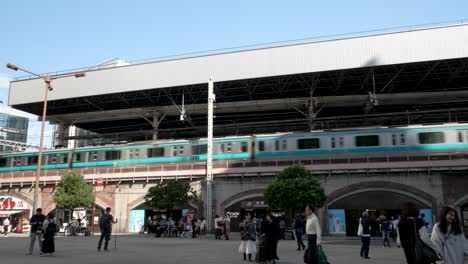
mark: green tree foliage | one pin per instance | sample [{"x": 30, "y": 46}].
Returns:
[
  {"x": 294, "y": 189},
  {"x": 170, "y": 195},
  {"x": 73, "y": 191}
]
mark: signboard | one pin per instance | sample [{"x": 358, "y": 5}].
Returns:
[
  {"x": 12, "y": 203},
  {"x": 428, "y": 216},
  {"x": 137, "y": 218},
  {"x": 336, "y": 221}
]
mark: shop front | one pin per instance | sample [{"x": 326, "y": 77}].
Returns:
[
  {"x": 256, "y": 207},
  {"x": 18, "y": 211}
]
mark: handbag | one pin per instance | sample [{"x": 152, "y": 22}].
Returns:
[
  {"x": 423, "y": 253},
  {"x": 360, "y": 230},
  {"x": 321, "y": 257}
]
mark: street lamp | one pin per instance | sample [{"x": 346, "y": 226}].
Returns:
[{"x": 48, "y": 80}]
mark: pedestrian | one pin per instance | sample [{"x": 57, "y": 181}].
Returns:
[
  {"x": 271, "y": 233},
  {"x": 365, "y": 233},
  {"x": 219, "y": 225},
  {"x": 203, "y": 228},
  {"x": 227, "y": 226},
  {"x": 299, "y": 228},
  {"x": 282, "y": 226},
  {"x": 248, "y": 237},
  {"x": 314, "y": 234},
  {"x": 149, "y": 224},
  {"x": 73, "y": 226},
  {"x": 50, "y": 228},
  {"x": 36, "y": 222},
  {"x": 105, "y": 223},
  {"x": 6, "y": 226},
  {"x": 385, "y": 226},
  {"x": 395, "y": 226},
  {"x": 407, "y": 232},
  {"x": 448, "y": 237}
]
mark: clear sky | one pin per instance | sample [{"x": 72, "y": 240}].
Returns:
[{"x": 48, "y": 35}]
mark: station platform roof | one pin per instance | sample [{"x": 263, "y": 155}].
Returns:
[{"x": 392, "y": 78}]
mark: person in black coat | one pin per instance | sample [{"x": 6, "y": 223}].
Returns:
[
  {"x": 407, "y": 232},
  {"x": 271, "y": 233}
]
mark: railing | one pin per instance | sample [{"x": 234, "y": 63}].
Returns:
[
  {"x": 269, "y": 45},
  {"x": 197, "y": 169}
]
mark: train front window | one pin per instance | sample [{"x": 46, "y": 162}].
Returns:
[
  {"x": 367, "y": 141},
  {"x": 308, "y": 143},
  {"x": 431, "y": 138}
]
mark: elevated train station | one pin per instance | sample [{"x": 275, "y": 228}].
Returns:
[{"x": 402, "y": 80}]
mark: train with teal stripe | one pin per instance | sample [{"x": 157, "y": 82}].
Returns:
[{"x": 325, "y": 143}]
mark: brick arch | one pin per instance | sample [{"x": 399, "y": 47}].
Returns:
[
  {"x": 361, "y": 187},
  {"x": 140, "y": 200},
  {"x": 240, "y": 197},
  {"x": 17, "y": 195}
]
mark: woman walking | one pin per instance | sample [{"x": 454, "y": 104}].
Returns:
[
  {"x": 50, "y": 229},
  {"x": 248, "y": 236},
  {"x": 448, "y": 237}
]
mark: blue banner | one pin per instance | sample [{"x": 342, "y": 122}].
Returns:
[
  {"x": 336, "y": 221},
  {"x": 137, "y": 219}
]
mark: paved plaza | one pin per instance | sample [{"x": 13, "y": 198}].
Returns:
[{"x": 147, "y": 249}]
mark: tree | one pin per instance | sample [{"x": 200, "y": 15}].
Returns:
[
  {"x": 294, "y": 189},
  {"x": 170, "y": 195},
  {"x": 73, "y": 191}
]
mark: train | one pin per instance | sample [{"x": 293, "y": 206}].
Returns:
[{"x": 451, "y": 137}]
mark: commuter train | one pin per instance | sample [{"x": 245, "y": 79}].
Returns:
[{"x": 359, "y": 141}]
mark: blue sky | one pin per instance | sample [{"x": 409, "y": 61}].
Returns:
[{"x": 48, "y": 36}]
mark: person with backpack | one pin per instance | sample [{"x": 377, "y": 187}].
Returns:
[
  {"x": 50, "y": 228},
  {"x": 105, "y": 223},
  {"x": 36, "y": 222}
]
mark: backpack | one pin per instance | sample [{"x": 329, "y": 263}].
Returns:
[
  {"x": 52, "y": 228},
  {"x": 105, "y": 222}
]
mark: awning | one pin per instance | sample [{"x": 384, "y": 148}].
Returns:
[{"x": 5, "y": 213}]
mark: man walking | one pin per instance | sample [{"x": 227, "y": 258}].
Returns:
[
  {"x": 36, "y": 223},
  {"x": 105, "y": 223},
  {"x": 314, "y": 234}
]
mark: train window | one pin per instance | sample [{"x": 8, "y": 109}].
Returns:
[
  {"x": 93, "y": 155},
  {"x": 222, "y": 148},
  {"x": 77, "y": 157},
  {"x": 17, "y": 161},
  {"x": 332, "y": 142},
  {"x": 284, "y": 144},
  {"x": 277, "y": 145},
  {"x": 261, "y": 146},
  {"x": 460, "y": 137},
  {"x": 199, "y": 149},
  {"x": 155, "y": 152},
  {"x": 113, "y": 155},
  {"x": 431, "y": 138},
  {"x": 394, "y": 139},
  {"x": 367, "y": 141},
  {"x": 229, "y": 147},
  {"x": 402, "y": 139},
  {"x": 3, "y": 162},
  {"x": 244, "y": 146},
  {"x": 181, "y": 150},
  {"x": 32, "y": 160},
  {"x": 341, "y": 142},
  {"x": 53, "y": 159},
  {"x": 308, "y": 143}
]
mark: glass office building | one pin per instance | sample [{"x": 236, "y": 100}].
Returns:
[{"x": 14, "y": 128}]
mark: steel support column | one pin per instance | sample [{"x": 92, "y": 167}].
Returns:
[{"x": 209, "y": 160}]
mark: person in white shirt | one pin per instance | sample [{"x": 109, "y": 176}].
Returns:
[
  {"x": 6, "y": 226},
  {"x": 314, "y": 234}
]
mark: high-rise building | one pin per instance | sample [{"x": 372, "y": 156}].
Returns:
[{"x": 14, "y": 128}]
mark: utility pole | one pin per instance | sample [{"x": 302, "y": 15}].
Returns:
[{"x": 209, "y": 158}]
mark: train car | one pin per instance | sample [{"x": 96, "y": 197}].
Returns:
[{"x": 412, "y": 140}]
